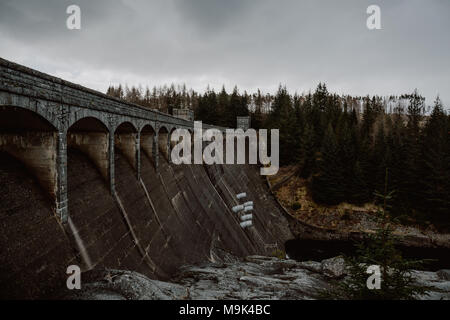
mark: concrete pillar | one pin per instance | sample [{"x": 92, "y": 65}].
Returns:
[
  {"x": 149, "y": 144},
  {"x": 111, "y": 163},
  {"x": 155, "y": 150},
  {"x": 62, "y": 208},
  {"x": 169, "y": 147},
  {"x": 163, "y": 144},
  {"x": 137, "y": 148}
]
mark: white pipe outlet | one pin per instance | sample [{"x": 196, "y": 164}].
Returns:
[
  {"x": 241, "y": 195},
  {"x": 238, "y": 208},
  {"x": 246, "y": 224}
]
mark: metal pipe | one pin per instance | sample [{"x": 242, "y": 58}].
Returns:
[
  {"x": 238, "y": 208},
  {"x": 241, "y": 195},
  {"x": 246, "y": 224}
]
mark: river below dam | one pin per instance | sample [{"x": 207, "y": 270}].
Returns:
[{"x": 317, "y": 250}]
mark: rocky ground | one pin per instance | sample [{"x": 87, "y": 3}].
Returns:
[{"x": 255, "y": 277}]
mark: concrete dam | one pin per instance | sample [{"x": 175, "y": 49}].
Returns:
[{"x": 86, "y": 179}]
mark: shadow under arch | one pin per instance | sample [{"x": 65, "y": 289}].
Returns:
[
  {"x": 14, "y": 118},
  {"x": 125, "y": 140},
  {"x": 33, "y": 140},
  {"x": 148, "y": 142},
  {"x": 91, "y": 136},
  {"x": 126, "y": 127}
]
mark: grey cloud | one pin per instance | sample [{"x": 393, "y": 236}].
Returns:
[
  {"x": 248, "y": 43},
  {"x": 213, "y": 15}
]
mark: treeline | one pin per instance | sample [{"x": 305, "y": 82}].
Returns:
[
  {"x": 345, "y": 156},
  {"x": 163, "y": 99},
  {"x": 220, "y": 108},
  {"x": 343, "y": 151}
]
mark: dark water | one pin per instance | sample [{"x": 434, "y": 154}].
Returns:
[{"x": 317, "y": 250}]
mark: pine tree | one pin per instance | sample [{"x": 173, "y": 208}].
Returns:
[
  {"x": 358, "y": 192},
  {"x": 397, "y": 282},
  {"x": 327, "y": 181},
  {"x": 233, "y": 106},
  {"x": 257, "y": 116},
  {"x": 320, "y": 97},
  {"x": 223, "y": 107},
  {"x": 435, "y": 167},
  {"x": 307, "y": 158},
  {"x": 412, "y": 176},
  {"x": 281, "y": 117},
  {"x": 376, "y": 180}
]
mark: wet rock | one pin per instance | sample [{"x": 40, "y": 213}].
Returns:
[
  {"x": 255, "y": 277},
  {"x": 126, "y": 285},
  {"x": 444, "y": 274},
  {"x": 333, "y": 267},
  {"x": 439, "y": 289},
  {"x": 312, "y": 266}
]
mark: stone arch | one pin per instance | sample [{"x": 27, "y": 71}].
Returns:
[
  {"x": 42, "y": 109},
  {"x": 89, "y": 124},
  {"x": 126, "y": 126},
  {"x": 148, "y": 142},
  {"x": 91, "y": 136},
  {"x": 147, "y": 125},
  {"x": 80, "y": 114},
  {"x": 16, "y": 118},
  {"x": 163, "y": 141},
  {"x": 126, "y": 139},
  {"x": 33, "y": 140},
  {"x": 164, "y": 127}
]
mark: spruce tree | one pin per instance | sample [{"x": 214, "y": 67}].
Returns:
[
  {"x": 379, "y": 250},
  {"x": 257, "y": 116},
  {"x": 412, "y": 176},
  {"x": 327, "y": 181},
  {"x": 307, "y": 158},
  {"x": 435, "y": 167},
  {"x": 281, "y": 117},
  {"x": 223, "y": 107}
]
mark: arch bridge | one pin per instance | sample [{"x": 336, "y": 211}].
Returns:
[{"x": 41, "y": 116}]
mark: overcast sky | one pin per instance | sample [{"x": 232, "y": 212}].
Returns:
[{"x": 249, "y": 43}]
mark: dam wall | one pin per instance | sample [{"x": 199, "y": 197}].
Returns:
[
  {"x": 180, "y": 215},
  {"x": 86, "y": 180}
]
